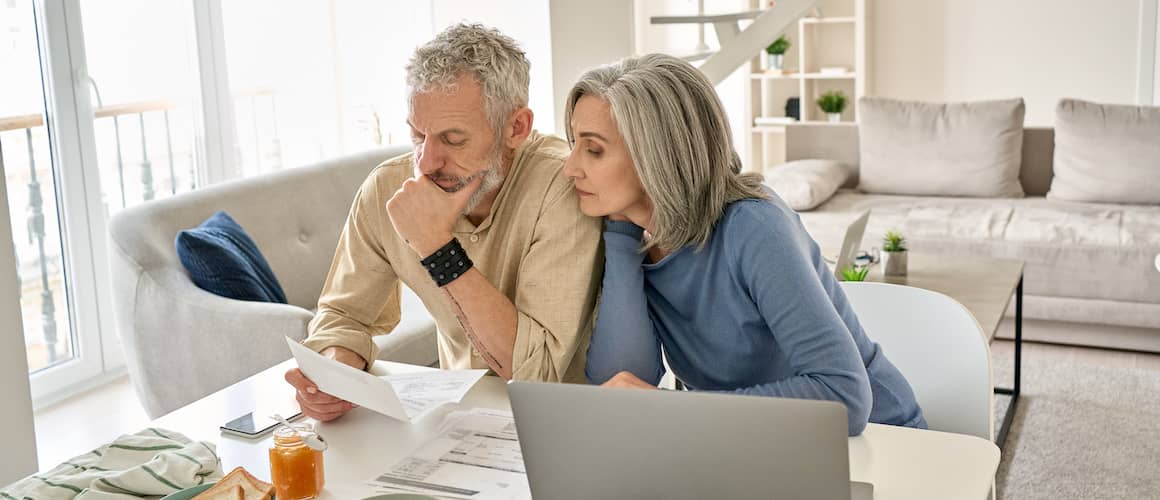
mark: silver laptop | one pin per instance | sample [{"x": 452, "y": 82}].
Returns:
[
  {"x": 850, "y": 243},
  {"x": 588, "y": 442}
]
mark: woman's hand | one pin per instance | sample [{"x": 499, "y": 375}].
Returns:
[{"x": 627, "y": 380}]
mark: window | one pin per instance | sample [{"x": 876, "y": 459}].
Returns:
[
  {"x": 143, "y": 86},
  {"x": 109, "y": 105},
  {"x": 326, "y": 79},
  {"x": 32, "y": 201}
]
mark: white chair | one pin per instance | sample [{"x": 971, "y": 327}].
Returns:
[{"x": 938, "y": 346}]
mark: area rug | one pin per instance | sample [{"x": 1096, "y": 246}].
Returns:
[{"x": 1080, "y": 431}]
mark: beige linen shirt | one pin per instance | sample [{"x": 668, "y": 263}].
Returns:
[{"x": 535, "y": 247}]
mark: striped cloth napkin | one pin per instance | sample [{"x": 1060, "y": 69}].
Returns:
[{"x": 150, "y": 463}]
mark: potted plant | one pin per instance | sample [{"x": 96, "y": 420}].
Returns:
[
  {"x": 776, "y": 52},
  {"x": 894, "y": 254},
  {"x": 853, "y": 273},
  {"x": 833, "y": 102}
]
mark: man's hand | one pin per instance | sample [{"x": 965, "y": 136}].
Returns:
[
  {"x": 315, "y": 403},
  {"x": 423, "y": 214},
  {"x": 627, "y": 380}
]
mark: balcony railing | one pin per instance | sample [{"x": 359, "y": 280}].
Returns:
[{"x": 25, "y": 161}]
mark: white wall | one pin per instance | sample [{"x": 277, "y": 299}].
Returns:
[
  {"x": 19, "y": 456},
  {"x": 1156, "y": 63},
  {"x": 585, "y": 34},
  {"x": 680, "y": 39},
  {"x": 677, "y": 39},
  {"x": 562, "y": 39},
  {"x": 1041, "y": 50},
  {"x": 527, "y": 23},
  {"x": 1147, "y": 52}
]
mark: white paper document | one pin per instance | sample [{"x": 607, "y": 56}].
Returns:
[
  {"x": 422, "y": 391},
  {"x": 477, "y": 456},
  {"x": 403, "y": 395}
]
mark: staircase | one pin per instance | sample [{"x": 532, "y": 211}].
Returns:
[{"x": 738, "y": 45}]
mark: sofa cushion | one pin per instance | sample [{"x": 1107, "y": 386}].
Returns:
[
  {"x": 805, "y": 184},
  {"x": 1106, "y": 153},
  {"x": 222, "y": 259},
  {"x": 928, "y": 149},
  {"x": 1077, "y": 250}
]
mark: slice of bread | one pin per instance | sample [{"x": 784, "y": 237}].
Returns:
[
  {"x": 252, "y": 488},
  {"x": 256, "y": 489}
]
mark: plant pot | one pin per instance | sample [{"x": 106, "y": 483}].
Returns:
[
  {"x": 774, "y": 60},
  {"x": 894, "y": 263},
  {"x": 833, "y": 117}
]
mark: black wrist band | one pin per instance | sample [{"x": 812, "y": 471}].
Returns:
[{"x": 447, "y": 263}]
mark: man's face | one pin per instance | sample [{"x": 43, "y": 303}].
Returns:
[{"x": 453, "y": 140}]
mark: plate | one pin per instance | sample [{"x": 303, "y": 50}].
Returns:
[{"x": 188, "y": 493}]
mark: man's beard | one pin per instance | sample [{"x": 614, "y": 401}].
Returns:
[{"x": 492, "y": 178}]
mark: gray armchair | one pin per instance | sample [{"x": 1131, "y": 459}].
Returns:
[{"x": 182, "y": 343}]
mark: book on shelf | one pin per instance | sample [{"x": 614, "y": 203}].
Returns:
[
  {"x": 780, "y": 72},
  {"x": 773, "y": 120}
]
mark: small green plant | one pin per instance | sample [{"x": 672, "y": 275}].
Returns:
[
  {"x": 778, "y": 46},
  {"x": 851, "y": 273},
  {"x": 833, "y": 101},
  {"x": 893, "y": 242}
]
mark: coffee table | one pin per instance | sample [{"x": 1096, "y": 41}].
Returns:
[{"x": 984, "y": 285}]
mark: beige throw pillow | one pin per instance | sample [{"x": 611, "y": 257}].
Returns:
[
  {"x": 1106, "y": 153},
  {"x": 931, "y": 149},
  {"x": 805, "y": 184}
]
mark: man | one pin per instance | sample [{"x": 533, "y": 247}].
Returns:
[{"x": 479, "y": 221}]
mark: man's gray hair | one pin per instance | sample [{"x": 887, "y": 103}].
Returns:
[
  {"x": 679, "y": 139},
  {"x": 494, "y": 59}
]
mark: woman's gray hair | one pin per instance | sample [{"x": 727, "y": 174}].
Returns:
[
  {"x": 679, "y": 139},
  {"x": 494, "y": 59}
]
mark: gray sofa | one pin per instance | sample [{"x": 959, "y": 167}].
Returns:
[
  {"x": 1089, "y": 275},
  {"x": 182, "y": 343}
]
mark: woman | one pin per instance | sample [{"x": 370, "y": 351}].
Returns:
[{"x": 704, "y": 261}]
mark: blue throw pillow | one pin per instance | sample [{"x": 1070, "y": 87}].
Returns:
[{"x": 223, "y": 260}]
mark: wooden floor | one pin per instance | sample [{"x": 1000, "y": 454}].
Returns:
[{"x": 87, "y": 421}]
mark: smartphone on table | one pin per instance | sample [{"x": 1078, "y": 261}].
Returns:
[{"x": 257, "y": 423}]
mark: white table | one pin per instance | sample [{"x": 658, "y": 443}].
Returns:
[{"x": 901, "y": 463}]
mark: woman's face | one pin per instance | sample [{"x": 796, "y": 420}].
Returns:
[{"x": 601, "y": 166}]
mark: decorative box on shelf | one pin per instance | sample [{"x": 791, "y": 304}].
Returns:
[
  {"x": 834, "y": 70},
  {"x": 773, "y": 120},
  {"x": 779, "y": 72}
]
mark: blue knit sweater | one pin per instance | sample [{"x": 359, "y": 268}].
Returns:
[{"x": 756, "y": 311}]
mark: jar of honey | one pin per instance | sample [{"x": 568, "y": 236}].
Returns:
[{"x": 295, "y": 469}]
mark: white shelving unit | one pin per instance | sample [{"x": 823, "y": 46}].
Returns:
[{"x": 836, "y": 38}]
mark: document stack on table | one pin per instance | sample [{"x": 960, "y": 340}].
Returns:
[{"x": 476, "y": 456}]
